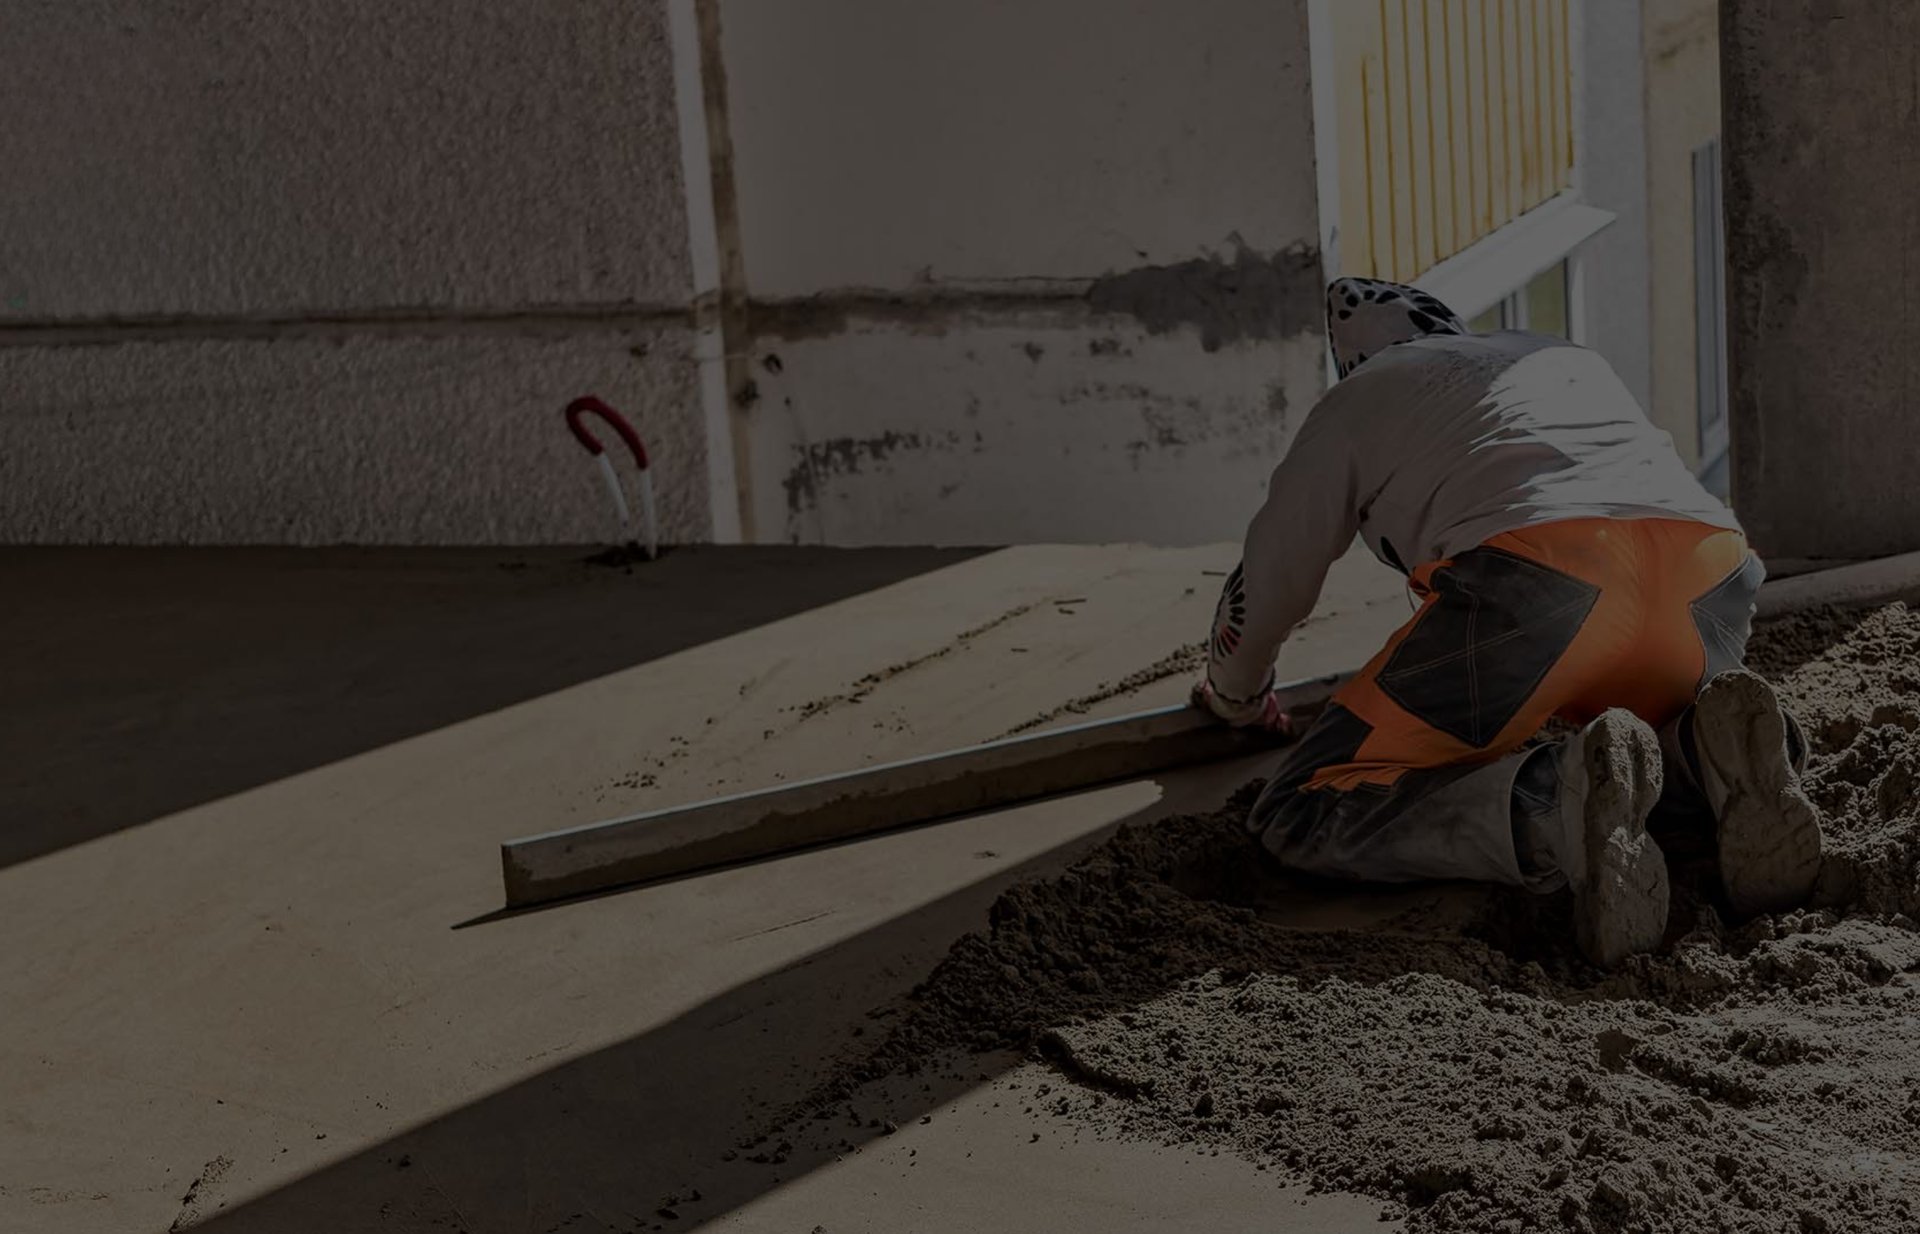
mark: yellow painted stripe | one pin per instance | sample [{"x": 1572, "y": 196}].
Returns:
[
  {"x": 1400, "y": 183},
  {"x": 1351, "y": 136},
  {"x": 1420, "y": 161},
  {"x": 1565, "y": 93},
  {"x": 1450, "y": 213},
  {"x": 1454, "y": 116},
  {"x": 1513, "y": 175},
  {"x": 1556, "y": 141},
  {"x": 1537, "y": 135},
  {"x": 1480, "y": 182},
  {"x": 1379, "y": 156}
]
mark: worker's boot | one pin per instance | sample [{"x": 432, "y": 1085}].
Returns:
[
  {"x": 1609, "y": 780},
  {"x": 1748, "y": 768}
]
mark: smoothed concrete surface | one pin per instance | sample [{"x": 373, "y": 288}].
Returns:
[
  {"x": 262, "y": 1013},
  {"x": 141, "y": 682},
  {"x": 983, "y": 1164}
]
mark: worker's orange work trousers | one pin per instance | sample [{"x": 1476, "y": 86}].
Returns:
[{"x": 1411, "y": 770}]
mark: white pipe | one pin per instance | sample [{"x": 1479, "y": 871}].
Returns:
[
  {"x": 649, "y": 515},
  {"x": 1880, "y": 581},
  {"x": 613, "y": 488}
]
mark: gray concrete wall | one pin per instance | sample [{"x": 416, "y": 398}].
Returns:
[
  {"x": 1033, "y": 270},
  {"x": 1823, "y": 204},
  {"x": 324, "y": 270}
]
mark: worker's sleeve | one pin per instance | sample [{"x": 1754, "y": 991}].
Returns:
[{"x": 1309, "y": 520}]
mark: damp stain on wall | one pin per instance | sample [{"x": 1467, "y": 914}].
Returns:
[
  {"x": 1252, "y": 297},
  {"x": 818, "y": 460},
  {"x": 1244, "y": 296}
]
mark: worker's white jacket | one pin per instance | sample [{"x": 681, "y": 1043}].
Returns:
[{"x": 1433, "y": 446}]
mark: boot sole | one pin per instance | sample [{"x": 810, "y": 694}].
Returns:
[
  {"x": 1769, "y": 830},
  {"x": 1620, "y": 905}
]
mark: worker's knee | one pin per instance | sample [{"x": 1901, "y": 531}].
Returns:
[{"x": 1310, "y": 830}]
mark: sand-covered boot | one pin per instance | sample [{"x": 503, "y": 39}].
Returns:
[
  {"x": 1609, "y": 781},
  {"x": 1768, "y": 828}
]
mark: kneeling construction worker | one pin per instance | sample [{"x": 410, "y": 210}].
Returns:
[{"x": 1569, "y": 565}]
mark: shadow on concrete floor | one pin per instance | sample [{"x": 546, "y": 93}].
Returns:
[
  {"x": 140, "y": 682},
  {"x": 598, "y": 1143}
]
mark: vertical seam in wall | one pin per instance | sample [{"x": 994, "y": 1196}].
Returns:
[
  {"x": 1366, "y": 142},
  {"x": 1321, "y": 56},
  {"x": 1393, "y": 205},
  {"x": 1483, "y": 225},
  {"x": 1413, "y": 188},
  {"x": 731, "y": 290},
  {"x": 1646, "y": 192},
  {"x": 703, "y": 250},
  {"x": 1567, "y": 11},
  {"x": 1462, "y": 225},
  {"x": 1542, "y": 107},
  {"x": 1578, "y": 316},
  {"x": 1441, "y": 247}
]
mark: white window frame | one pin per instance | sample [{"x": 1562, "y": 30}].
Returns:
[
  {"x": 1710, "y": 307},
  {"x": 1499, "y": 265}
]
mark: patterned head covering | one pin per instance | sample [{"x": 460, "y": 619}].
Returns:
[{"x": 1367, "y": 316}]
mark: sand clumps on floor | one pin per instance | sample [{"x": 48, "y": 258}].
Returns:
[{"x": 1443, "y": 1049}]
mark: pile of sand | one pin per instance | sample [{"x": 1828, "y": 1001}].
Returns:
[{"x": 1454, "y": 1057}]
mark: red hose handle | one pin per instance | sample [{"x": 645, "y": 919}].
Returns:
[{"x": 580, "y": 407}]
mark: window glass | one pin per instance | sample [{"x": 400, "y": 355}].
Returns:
[{"x": 1546, "y": 302}]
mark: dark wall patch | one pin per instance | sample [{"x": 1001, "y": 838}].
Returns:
[
  {"x": 1250, "y": 297},
  {"x": 838, "y": 455},
  {"x": 921, "y": 311},
  {"x": 1277, "y": 401}
]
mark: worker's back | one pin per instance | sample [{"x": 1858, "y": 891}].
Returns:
[{"x": 1455, "y": 438}]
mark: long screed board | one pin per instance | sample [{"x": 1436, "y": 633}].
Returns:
[{"x": 726, "y": 830}]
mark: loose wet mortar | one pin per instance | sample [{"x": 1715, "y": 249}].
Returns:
[{"x": 1447, "y": 1052}]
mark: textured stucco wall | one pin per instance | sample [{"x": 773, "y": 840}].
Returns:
[
  {"x": 1823, "y": 204},
  {"x": 479, "y": 204},
  {"x": 1683, "y": 113},
  {"x": 281, "y": 156},
  {"x": 1022, "y": 269},
  {"x": 355, "y": 439}
]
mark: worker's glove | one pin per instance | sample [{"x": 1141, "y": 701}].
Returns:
[{"x": 1262, "y": 711}]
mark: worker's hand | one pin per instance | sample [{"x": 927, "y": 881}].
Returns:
[{"x": 1264, "y": 713}]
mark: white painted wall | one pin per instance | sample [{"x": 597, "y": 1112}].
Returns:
[
  {"x": 883, "y": 145},
  {"x": 1012, "y": 429},
  {"x": 927, "y": 193}
]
